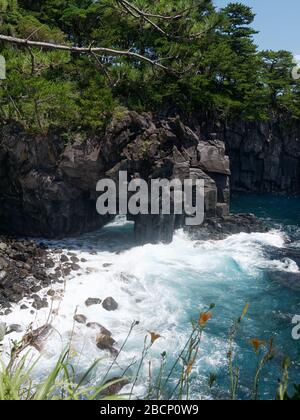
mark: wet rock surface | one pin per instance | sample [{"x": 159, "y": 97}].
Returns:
[
  {"x": 286, "y": 279},
  {"x": 24, "y": 271},
  {"x": 99, "y": 327},
  {"x": 106, "y": 342},
  {"x": 92, "y": 302},
  {"x": 289, "y": 252},
  {"x": 110, "y": 304},
  {"x": 28, "y": 269},
  {"x": 80, "y": 319},
  {"x": 117, "y": 385},
  {"x": 48, "y": 185},
  {"x": 219, "y": 228},
  {"x": 15, "y": 328}
]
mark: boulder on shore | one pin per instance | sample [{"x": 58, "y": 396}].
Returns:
[
  {"x": 97, "y": 326},
  {"x": 81, "y": 319},
  {"x": 106, "y": 342},
  {"x": 93, "y": 301},
  {"x": 110, "y": 304}
]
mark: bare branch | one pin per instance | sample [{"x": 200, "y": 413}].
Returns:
[
  {"x": 129, "y": 7},
  {"x": 157, "y": 16},
  {"x": 15, "y": 107},
  {"x": 34, "y": 32},
  {"x": 141, "y": 14},
  {"x": 32, "y": 61},
  {"x": 83, "y": 50},
  {"x": 103, "y": 68}
]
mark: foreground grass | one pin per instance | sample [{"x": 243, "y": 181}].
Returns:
[
  {"x": 61, "y": 383},
  {"x": 64, "y": 383}
]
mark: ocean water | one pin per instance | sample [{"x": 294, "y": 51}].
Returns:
[{"x": 165, "y": 287}]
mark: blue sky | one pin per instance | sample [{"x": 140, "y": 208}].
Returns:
[{"x": 278, "y": 22}]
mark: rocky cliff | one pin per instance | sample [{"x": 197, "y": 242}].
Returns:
[
  {"x": 48, "y": 184},
  {"x": 264, "y": 156}
]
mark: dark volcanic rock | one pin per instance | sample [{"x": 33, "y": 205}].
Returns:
[
  {"x": 64, "y": 259},
  {"x": 116, "y": 387},
  {"x": 24, "y": 272},
  {"x": 268, "y": 157},
  {"x": 220, "y": 227},
  {"x": 97, "y": 326},
  {"x": 283, "y": 253},
  {"x": 286, "y": 279},
  {"x": 110, "y": 304},
  {"x": 81, "y": 319},
  {"x": 39, "y": 303},
  {"x": 15, "y": 328},
  {"x": 75, "y": 267},
  {"x": 106, "y": 342},
  {"x": 48, "y": 187},
  {"x": 23, "y": 266},
  {"x": 264, "y": 155},
  {"x": 93, "y": 301}
]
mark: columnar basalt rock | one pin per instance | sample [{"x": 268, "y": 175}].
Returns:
[
  {"x": 264, "y": 155},
  {"x": 48, "y": 185}
]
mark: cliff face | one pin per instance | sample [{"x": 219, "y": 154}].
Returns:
[
  {"x": 264, "y": 156},
  {"x": 48, "y": 186}
]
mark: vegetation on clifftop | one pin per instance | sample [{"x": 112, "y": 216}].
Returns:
[{"x": 213, "y": 64}]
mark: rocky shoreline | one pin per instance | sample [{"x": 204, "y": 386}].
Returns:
[
  {"x": 24, "y": 271},
  {"x": 28, "y": 267},
  {"x": 31, "y": 277},
  {"x": 35, "y": 272}
]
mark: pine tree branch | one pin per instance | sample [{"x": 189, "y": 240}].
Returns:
[{"x": 83, "y": 50}]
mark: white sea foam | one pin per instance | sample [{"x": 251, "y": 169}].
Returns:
[{"x": 161, "y": 286}]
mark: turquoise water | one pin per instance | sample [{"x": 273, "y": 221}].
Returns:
[
  {"x": 281, "y": 210},
  {"x": 164, "y": 287},
  {"x": 275, "y": 305}
]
